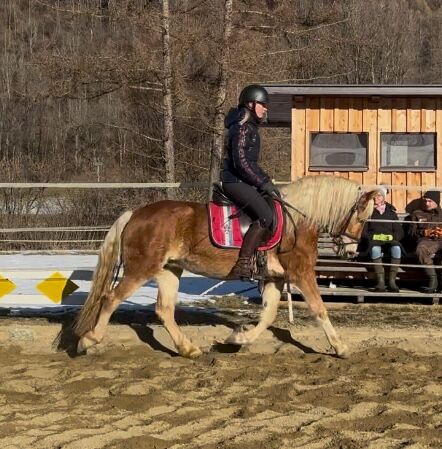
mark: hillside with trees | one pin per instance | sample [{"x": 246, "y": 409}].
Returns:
[{"x": 135, "y": 90}]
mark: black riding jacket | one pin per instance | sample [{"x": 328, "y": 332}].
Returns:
[{"x": 243, "y": 147}]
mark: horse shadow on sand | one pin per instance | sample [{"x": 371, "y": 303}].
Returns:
[{"x": 140, "y": 319}]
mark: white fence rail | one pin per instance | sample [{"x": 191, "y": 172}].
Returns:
[
  {"x": 123, "y": 185},
  {"x": 168, "y": 185},
  {"x": 103, "y": 185},
  {"x": 46, "y": 281}
]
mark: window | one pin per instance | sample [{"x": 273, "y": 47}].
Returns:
[
  {"x": 338, "y": 151},
  {"x": 408, "y": 151}
]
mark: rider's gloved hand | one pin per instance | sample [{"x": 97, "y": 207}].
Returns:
[{"x": 271, "y": 189}]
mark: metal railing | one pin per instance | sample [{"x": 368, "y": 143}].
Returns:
[{"x": 126, "y": 185}]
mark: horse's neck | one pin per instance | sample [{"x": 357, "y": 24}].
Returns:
[{"x": 326, "y": 191}]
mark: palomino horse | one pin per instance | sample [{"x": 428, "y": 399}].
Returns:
[{"x": 160, "y": 240}]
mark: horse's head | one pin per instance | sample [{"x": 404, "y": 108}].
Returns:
[{"x": 347, "y": 238}]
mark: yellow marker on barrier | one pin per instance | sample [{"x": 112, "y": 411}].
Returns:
[
  {"x": 6, "y": 286},
  {"x": 56, "y": 287}
]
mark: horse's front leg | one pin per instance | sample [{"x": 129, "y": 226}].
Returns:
[
  {"x": 307, "y": 285},
  {"x": 270, "y": 297}
]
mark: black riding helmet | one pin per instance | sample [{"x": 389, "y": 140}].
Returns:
[{"x": 254, "y": 93}]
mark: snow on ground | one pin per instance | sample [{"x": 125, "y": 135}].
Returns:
[{"x": 28, "y": 270}]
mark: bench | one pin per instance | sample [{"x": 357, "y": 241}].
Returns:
[
  {"x": 360, "y": 293},
  {"x": 338, "y": 277}
]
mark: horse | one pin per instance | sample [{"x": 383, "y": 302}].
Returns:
[{"x": 160, "y": 240}]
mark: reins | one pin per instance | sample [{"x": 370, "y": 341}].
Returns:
[
  {"x": 335, "y": 235},
  {"x": 284, "y": 206}
]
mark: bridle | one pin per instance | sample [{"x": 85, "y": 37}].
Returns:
[{"x": 337, "y": 237}]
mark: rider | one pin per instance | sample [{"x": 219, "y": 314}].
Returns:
[{"x": 244, "y": 182}]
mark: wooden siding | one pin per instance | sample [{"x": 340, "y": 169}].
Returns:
[{"x": 374, "y": 116}]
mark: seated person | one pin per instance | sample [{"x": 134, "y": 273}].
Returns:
[
  {"x": 428, "y": 236},
  {"x": 382, "y": 236}
]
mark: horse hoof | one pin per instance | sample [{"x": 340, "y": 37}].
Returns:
[
  {"x": 84, "y": 344},
  {"x": 343, "y": 352},
  {"x": 191, "y": 353},
  {"x": 236, "y": 338}
]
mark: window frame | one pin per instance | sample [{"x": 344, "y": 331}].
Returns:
[
  {"x": 341, "y": 168},
  {"x": 402, "y": 169}
]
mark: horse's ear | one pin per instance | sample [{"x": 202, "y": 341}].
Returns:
[
  {"x": 367, "y": 196},
  {"x": 366, "y": 204}
]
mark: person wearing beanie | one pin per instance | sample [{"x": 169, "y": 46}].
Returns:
[
  {"x": 383, "y": 237},
  {"x": 434, "y": 196},
  {"x": 426, "y": 229}
]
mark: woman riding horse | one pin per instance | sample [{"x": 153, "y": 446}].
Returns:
[
  {"x": 244, "y": 182},
  {"x": 160, "y": 240}
]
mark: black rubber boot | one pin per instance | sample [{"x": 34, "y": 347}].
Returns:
[
  {"x": 380, "y": 275},
  {"x": 439, "y": 281},
  {"x": 432, "y": 280},
  {"x": 392, "y": 275},
  {"x": 244, "y": 266}
]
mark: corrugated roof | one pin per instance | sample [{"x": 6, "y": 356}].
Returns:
[
  {"x": 351, "y": 90},
  {"x": 281, "y": 95}
]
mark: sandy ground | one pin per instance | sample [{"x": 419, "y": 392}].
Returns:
[{"x": 284, "y": 391}]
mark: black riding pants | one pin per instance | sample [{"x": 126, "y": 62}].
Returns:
[{"x": 249, "y": 200}]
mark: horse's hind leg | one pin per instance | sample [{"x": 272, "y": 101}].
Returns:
[
  {"x": 168, "y": 280},
  {"x": 109, "y": 303},
  {"x": 306, "y": 283},
  {"x": 270, "y": 298}
]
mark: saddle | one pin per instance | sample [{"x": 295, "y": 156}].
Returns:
[{"x": 228, "y": 225}]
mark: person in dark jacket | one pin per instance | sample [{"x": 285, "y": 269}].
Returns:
[
  {"x": 428, "y": 236},
  {"x": 244, "y": 182},
  {"x": 383, "y": 236}
]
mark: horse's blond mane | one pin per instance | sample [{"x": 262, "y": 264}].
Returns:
[{"x": 325, "y": 200}]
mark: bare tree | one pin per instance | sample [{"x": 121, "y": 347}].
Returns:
[
  {"x": 85, "y": 78},
  {"x": 218, "y": 131},
  {"x": 169, "y": 152}
]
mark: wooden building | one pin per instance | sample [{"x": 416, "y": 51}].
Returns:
[{"x": 373, "y": 134}]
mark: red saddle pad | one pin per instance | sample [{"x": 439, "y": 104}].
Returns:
[{"x": 227, "y": 232}]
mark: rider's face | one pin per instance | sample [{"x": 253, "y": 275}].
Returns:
[{"x": 260, "y": 110}]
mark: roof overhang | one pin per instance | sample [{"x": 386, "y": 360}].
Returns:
[{"x": 281, "y": 95}]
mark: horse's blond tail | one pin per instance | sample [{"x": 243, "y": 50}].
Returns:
[{"x": 103, "y": 274}]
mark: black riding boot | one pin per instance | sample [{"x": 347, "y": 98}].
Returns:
[
  {"x": 392, "y": 275},
  {"x": 380, "y": 275},
  {"x": 243, "y": 267},
  {"x": 432, "y": 280}
]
